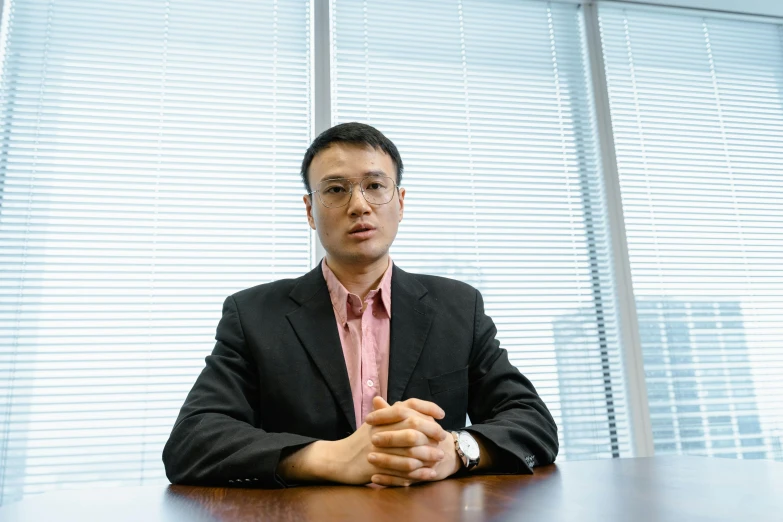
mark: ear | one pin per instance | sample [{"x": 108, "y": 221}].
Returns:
[
  {"x": 401, "y": 193},
  {"x": 308, "y": 201}
]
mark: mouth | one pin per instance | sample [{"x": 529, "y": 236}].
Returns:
[{"x": 361, "y": 231}]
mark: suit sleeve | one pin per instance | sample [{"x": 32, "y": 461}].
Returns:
[
  {"x": 217, "y": 440},
  {"x": 504, "y": 407}
]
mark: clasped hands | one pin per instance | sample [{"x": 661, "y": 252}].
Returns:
[{"x": 397, "y": 446}]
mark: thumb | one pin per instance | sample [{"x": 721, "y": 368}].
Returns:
[{"x": 378, "y": 403}]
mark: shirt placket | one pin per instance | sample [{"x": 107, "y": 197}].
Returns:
[{"x": 370, "y": 382}]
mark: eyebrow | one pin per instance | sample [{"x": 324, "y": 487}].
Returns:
[{"x": 368, "y": 174}]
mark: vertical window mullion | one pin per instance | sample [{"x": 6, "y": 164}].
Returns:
[{"x": 633, "y": 362}]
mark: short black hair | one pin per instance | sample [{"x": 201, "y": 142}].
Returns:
[{"x": 356, "y": 134}]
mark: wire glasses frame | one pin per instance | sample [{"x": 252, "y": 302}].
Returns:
[{"x": 335, "y": 193}]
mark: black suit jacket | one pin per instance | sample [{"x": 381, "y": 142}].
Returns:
[{"x": 277, "y": 381}]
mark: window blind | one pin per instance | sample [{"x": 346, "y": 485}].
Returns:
[
  {"x": 697, "y": 115},
  {"x": 488, "y": 103},
  {"x": 149, "y": 169}
]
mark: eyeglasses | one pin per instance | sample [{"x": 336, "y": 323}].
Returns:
[{"x": 377, "y": 190}]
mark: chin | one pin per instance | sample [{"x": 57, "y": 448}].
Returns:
[{"x": 362, "y": 256}]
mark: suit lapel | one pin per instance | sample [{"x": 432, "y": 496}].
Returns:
[
  {"x": 410, "y": 324},
  {"x": 315, "y": 325}
]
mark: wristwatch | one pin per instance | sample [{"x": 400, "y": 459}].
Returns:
[{"x": 467, "y": 449}]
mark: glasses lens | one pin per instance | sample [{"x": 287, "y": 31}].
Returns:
[
  {"x": 377, "y": 189},
  {"x": 334, "y": 192}
]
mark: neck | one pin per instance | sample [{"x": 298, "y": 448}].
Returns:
[{"x": 359, "y": 279}]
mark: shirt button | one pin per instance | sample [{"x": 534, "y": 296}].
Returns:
[{"x": 369, "y": 383}]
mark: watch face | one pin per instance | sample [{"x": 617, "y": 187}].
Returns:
[{"x": 468, "y": 445}]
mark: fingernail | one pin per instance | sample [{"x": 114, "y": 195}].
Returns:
[
  {"x": 441, "y": 455},
  {"x": 372, "y": 457},
  {"x": 375, "y": 439},
  {"x": 433, "y": 474}
]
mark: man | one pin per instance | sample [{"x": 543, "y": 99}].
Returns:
[{"x": 299, "y": 385}]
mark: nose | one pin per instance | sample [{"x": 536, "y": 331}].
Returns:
[{"x": 358, "y": 205}]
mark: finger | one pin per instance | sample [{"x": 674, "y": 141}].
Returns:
[
  {"x": 415, "y": 475},
  {"x": 403, "y": 446},
  {"x": 378, "y": 403},
  {"x": 427, "y": 426},
  {"x": 388, "y": 415},
  {"x": 427, "y": 454},
  {"x": 391, "y": 481},
  {"x": 406, "y": 438},
  {"x": 426, "y": 407},
  {"x": 402, "y": 417},
  {"x": 394, "y": 462}
]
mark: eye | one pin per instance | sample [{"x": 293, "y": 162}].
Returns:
[
  {"x": 333, "y": 189},
  {"x": 376, "y": 185}
]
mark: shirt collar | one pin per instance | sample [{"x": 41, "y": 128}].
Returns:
[{"x": 339, "y": 295}]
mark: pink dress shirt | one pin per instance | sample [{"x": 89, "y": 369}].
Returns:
[{"x": 364, "y": 336}]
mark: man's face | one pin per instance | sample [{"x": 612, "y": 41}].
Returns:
[{"x": 359, "y": 232}]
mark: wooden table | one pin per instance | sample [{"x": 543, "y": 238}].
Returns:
[{"x": 661, "y": 489}]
